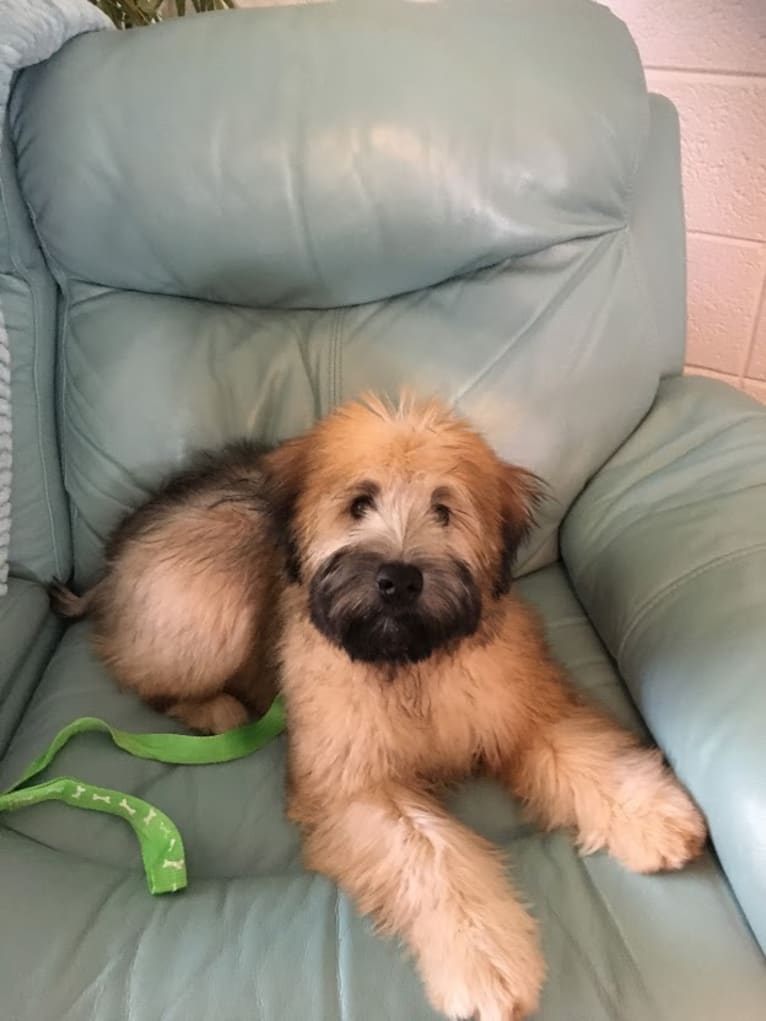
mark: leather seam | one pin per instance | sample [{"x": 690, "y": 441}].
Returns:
[
  {"x": 38, "y": 430},
  {"x": 60, "y": 280},
  {"x": 607, "y": 502},
  {"x": 577, "y": 276},
  {"x": 339, "y": 983},
  {"x": 23, "y": 273},
  {"x": 641, "y": 146},
  {"x": 339, "y": 379},
  {"x": 334, "y": 358},
  {"x": 643, "y": 289},
  {"x": 678, "y": 583},
  {"x": 327, "y": 402},
  {"x": 5, "y": 566},
  {"x": 655, "y": 513},
  {"x": 64, "y": 377},
  {"x": 603, "y": 900}
]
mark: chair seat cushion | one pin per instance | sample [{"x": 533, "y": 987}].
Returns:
[
  {"x": 28, "y": 635},
  {"x": 256, "y": 936}
]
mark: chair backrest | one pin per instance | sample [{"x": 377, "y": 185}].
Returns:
[{"x": 255, "y": 215}]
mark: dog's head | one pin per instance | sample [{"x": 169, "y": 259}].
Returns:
[{"x": 402, "y": 524}]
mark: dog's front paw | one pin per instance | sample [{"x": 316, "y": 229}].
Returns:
[
  {"x": 481, "y": 978},
  {"x": 657, "y": 826}
]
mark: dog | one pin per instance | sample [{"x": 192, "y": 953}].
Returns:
[
  {"x": 184, "y": 614},
  {"x": 368, "y": 564}
]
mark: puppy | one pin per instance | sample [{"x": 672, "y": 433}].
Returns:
[
  {"x": 405, "y": 662},
  {"x": 186, "y": 613}
]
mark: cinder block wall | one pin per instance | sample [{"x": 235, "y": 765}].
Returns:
[{"x": 709, "y": 57}]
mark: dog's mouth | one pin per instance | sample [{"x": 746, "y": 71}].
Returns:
[
  {"x": 388, "y": 638},
  {"x": 347, "y": 609}
]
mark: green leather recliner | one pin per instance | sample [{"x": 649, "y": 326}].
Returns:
[{"x": 224, "y": 226}]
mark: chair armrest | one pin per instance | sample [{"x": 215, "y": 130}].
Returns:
[{"x": 666, "y": 548}]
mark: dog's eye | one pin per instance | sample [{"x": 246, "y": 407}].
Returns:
[
  {"x": 360, "y": 506},
  {"x": 442, "y": 514}
]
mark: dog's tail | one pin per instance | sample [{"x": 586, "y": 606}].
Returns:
[{"x": 66, "y": 603}]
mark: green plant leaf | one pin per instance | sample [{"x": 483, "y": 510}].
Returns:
[{"x": 133, "y": 13}]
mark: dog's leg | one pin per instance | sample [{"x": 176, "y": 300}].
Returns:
[
  {"x": 425, "y": 877},
  {"x": 576, "y": 768},
  {"x": 213, "y": 715},
  {"x": 255, "y": 684}
]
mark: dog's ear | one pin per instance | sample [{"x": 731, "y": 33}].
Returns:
[
  {"x": 284, "y": 472},
  {"x": 521, "y": 493}
]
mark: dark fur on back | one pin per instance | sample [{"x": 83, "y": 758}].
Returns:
[{"x": 212, "y": 478}]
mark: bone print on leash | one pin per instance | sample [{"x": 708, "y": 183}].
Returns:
[{"x": 162, "y": 849}]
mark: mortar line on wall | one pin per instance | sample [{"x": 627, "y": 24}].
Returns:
[
  {"x": 706, "y": 72},
  {"x": 760, "y": 310},
  {"x": 728, "y": 376},
  {"x": 734, "y": 238}
]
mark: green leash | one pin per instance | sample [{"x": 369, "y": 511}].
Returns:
[{"x": 162, "y": 849}]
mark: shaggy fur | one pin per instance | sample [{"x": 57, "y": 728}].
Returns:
[
  {"x": 405, "y": 662},
  {"x": 189, "y": 578}
]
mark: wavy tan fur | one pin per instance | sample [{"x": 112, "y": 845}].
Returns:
[{"x": 373, "y": 738}]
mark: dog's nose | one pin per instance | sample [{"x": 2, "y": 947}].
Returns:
[{"x": 399, "y": 583}]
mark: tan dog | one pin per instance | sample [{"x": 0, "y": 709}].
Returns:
[
  {"x": 185, "y": 614},
  {"x": 405, "y": 664}
]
